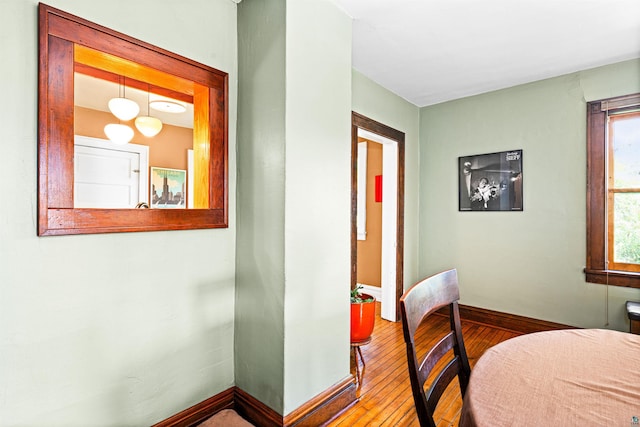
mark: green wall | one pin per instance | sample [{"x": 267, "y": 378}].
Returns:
[
  {"x": 292, "y": 335},
  {"x": 377, "y": 103},
  {"x": 114, "y": 329},
  {"x": 259, "y": 339},
  {"x": 528, "y": 263},
  {"x": 317, "y": 199},
  {"x": 120, "y": 329}
]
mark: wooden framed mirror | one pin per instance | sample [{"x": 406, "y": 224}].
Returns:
[{"x": 74, "y": 54}]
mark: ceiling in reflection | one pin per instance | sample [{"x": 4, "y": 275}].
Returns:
[{"x": 94, "y": 93}]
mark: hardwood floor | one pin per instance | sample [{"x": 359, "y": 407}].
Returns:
[{"x": 385, "y": 391}]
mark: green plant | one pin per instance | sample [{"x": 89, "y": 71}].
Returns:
[{"x": 356, "y": 295}]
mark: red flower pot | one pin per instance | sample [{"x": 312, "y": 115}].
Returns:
[{"x": 363, "y": 317}]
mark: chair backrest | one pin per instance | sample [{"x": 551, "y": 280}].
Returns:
[{"x": 417, "y": 303}]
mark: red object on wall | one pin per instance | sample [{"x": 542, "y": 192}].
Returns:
[{"x": 378, "y": 188}]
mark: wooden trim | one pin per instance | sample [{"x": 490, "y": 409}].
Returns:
[
  {"x": 133, "y": 73},
  {"x": 335, "y": 400},
  {"x": 317, "y": 411},
  {"x": 612, "y": 277},
  {"x": 400, "y": 227},
  {"x": 354, "y": 204},
  {"x": 59, "y": 125},
  {"x": 201, "y": 411},
  {"x": 201, "y": 148},
  {"x": 360, "y": 121},
  {"x": 255, "y": 411},
  {"x": 76, "y": 221},
  {"x": 621, "y": 102},
  {"x": 325, "y": 406},
  {"x": 596, "y": 185},
  {"x": 219, "y": 168},
  {"x": 60, "y": 34},
  {"x": 102, "y": 39},
  {"x": 376, "y": 127},
  {"x": 510, "y": 322},
  {"x": 131, "y": 82},
  {"x": 596, "y": 269}
]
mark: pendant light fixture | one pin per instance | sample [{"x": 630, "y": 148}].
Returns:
[
  {"x": 118, "y": 133},
  {"x": 147, "y": 125},
  {"x": 122, "y": 107}
]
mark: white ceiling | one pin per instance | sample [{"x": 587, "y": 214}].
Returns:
[{"x": 431, "y": 51}]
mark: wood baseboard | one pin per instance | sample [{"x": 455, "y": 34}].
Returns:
[
  {"x": 340, "y": 396},
  {"x": 511, "y": 322},
  {"x": 315, "y": 412},
  {"x": 325, "y": 406},
  {"x": 255, "y": 411},
  {"x": 201, "y": 411}
]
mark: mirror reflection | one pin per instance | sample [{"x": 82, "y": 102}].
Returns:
[
  {"x": 133, "y": 142},
  {"x": 123, "y": 125}
]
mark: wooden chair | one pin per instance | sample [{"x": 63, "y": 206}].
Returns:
[{"x": 417, "y": 303}]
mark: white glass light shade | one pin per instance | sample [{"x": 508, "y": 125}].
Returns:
[
  {"x": 123, "y": 108},
  {"x": 118, "y": 134},
  {"x": 167, "y": 106},
  {"x": 148, "y": 126}
]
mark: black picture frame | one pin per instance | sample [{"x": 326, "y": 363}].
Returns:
[{"x": 491, "y": 182}]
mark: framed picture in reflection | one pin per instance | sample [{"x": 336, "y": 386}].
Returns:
[{"x": 168, "y": 188}]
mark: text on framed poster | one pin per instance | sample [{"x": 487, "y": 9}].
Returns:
[{"x": 491, "y": 182}]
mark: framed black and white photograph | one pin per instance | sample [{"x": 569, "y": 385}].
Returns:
[{"x": 491, "y": 182}]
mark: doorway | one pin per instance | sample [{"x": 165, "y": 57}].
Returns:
[
  {"x": 393, "y": 209},
  {"x": 109, "y": 176}
]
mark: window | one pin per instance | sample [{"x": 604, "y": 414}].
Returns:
[{"x": 613, "y": 191}]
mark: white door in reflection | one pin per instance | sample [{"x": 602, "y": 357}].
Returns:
[{"x": 109, "y": 176}]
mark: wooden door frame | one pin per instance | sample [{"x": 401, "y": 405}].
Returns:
[{"x": 359, "y": 121}]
